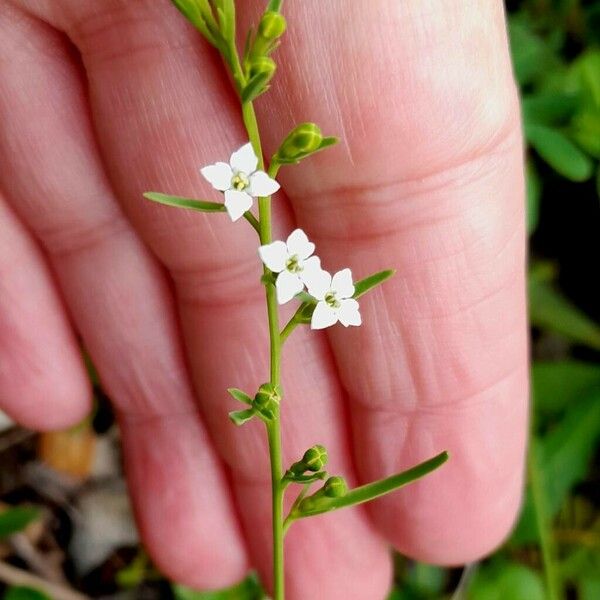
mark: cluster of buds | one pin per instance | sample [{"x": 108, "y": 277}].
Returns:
[
  {"x": 264, "y": 405},
  {"x": 259, "y": 68},
  {"x": 310, "y": 467},
  {"x": 307, "y": 470}
]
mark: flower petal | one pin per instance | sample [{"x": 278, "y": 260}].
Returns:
[
  {"x": 318, "y": 281},
  {"x": 244, "y": 159},
  {"x": 287, "y": 286},
  {"x": 324, "y": 316},
  {"x": 274, "y": 256},
  {"x": 342, "y": 283},
  {"x": 298, "y": 243},
  {"x": 237, "y": 203},
  {"x": 262, "y": 185},
  {"x": 348, "y": 313},
  {"x": 218, "y": 175}
]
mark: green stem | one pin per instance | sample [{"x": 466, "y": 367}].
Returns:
[
  {"x": 274, "y": 427},
  {"x": 290, "y": 518},
  {"x": 274, "y": 436},
  {"x": 285, "y": 332},
  {"x": 543, "y": 521},
  {"x": 275, "y": 5}
]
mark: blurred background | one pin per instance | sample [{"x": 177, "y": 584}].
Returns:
[{"x": 65, "y": 521}]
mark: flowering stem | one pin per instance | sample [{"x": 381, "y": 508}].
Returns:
[{"x": 273, "y": 426}]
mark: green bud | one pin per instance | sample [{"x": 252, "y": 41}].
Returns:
[
  {"x": 335, "y": 487},
  {"x": 303, "y": 140},
  {"x": 260, "y": 72},
  {"x": 272, "y": 25},
  {"x": 315, "y": 458},
  {"x": 267, "y": 399},
  {"x": 263, "y": 67}
]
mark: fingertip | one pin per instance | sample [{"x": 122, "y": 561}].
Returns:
[{"x": 42, "y": 388}]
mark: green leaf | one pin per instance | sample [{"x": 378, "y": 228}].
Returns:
[
  {"x": 558, "y": 385},
  {"x": 585, "y": 130},
  {"x": 506, "y": 581},
  {"x": 257, "y": 85},
  {"x": 563, "y": 458},
  {"x": 13, "y": 520},
  {"x": 548, "y": 108},
  {"x": 534, "y": 186},
  {"x": 239, "y": 417},
  {"x": 249, "y": 589},
  {"x": 549, "y": 309},
  {"x": 364, "y": 285},
  {"x": 376, "y": 489},
  {"x": 532, "y": 56},
  {"x": 200, "y": 205},
  {"x": 240, "y": 396},
  {"x": 24, "y": 593},
  {"x": 559, "y": 152},
  {"x": 568, "y": 449}
]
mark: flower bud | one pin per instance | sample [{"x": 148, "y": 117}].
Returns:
[
  {"x": 272, "y": 25},
  {"x": 267, "y": 399},
  {"x": 335, "y": 487},
  {"x": 260, "y": 72},
  {"x": 303, "y": 140},
  {"x": 315, "y": 458},
  {"x": 263, "y": 67}
]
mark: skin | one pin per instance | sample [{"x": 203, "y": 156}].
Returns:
[{"x": 101, "y": 101}]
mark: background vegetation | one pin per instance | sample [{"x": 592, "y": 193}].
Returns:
[{"x": 554, "y": 552}]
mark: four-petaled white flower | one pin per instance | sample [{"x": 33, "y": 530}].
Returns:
[
  {"x": 335, "y": 302},
  {"x": 292, "y": 261},
  {"x": 240, "y": 181}
]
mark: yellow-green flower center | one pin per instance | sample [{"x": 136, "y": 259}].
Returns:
[
  {"x": 331, "y": 300},
  {"x": 293, "y": 264},
  {"x": 240, "y": 181}
]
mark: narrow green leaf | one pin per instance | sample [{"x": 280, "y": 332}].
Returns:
[
  {"x": 239, "y": 417},
  {"x": 559, "y": 152},
  {"x": 568, "y": 448},
  {"x": 329, "y": 141},
  {"x": 240, "y": 396},
  {"x": 366, "y": 493},
  {"x": 540, "y": 502},
  {"x": 364, "y": 285},
  {"x": 256, "y": 86},
  {"x": 13, "y": 520},
  {"x": 549, "y": 309},
  {"x": 200, "y": 205}
]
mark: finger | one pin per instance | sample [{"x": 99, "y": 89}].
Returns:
[
  {"x": 43, "y": 384},
  {"x": 427, "y": 180},
  {"x": 160, "y": 118},
  {"x": 122, "y": 306}
]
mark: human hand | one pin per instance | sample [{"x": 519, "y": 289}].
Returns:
[{"x": 427, "y": 180}]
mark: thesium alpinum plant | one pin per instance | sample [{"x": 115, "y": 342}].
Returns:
[{"x": 292, "y": 272}]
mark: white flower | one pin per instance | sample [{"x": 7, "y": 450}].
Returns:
[
  {"x": 292, "y": 261},
  {"x": 335, "y": 302},
  {"x": 240, "y": 181}
]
